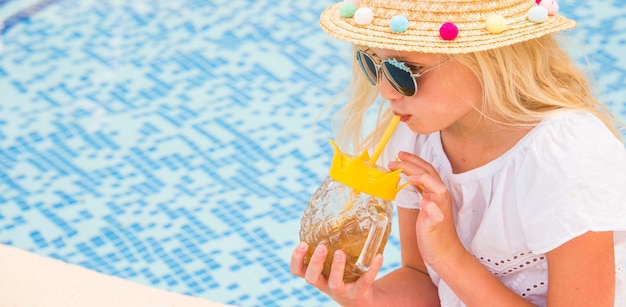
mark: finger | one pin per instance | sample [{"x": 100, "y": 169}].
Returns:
[
  {"x": 335, "y": 279},
  {"x": 366, "y": 280},
  {"x": 416, "y": 182},
  {"x": 313, "y": 274},
  {"x": 412, "y": 158},
  {"x": 411, "y": 165},
  {"x": 296, "y": 264},
  {"x": 429, "y": 184},
  {"x": 407, "y": 168}
]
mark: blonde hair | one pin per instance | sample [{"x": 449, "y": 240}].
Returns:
[{"x": 522, "y": 84}]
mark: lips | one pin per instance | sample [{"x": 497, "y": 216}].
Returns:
[{"x": 403, "y": 117}]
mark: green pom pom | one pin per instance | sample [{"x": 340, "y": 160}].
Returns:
[{"x": 347, "y": 9}]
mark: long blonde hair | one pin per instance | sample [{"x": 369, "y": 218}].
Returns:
[{"x": 522, "y": 83}]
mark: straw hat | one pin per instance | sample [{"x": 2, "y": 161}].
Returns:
[{"x": 442, "y": 26}]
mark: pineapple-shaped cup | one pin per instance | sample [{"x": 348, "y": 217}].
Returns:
[{"x": 352, "y": 210}]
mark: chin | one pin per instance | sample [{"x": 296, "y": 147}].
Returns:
[{"x": 421, "y": 129}]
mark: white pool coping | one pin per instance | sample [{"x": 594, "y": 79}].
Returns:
[{"x": 28, "y": 279}]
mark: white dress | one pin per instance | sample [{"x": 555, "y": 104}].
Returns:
[{"x": 567, "y": 176}]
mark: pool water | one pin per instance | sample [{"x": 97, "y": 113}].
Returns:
[{"x": 176, "y": 143}]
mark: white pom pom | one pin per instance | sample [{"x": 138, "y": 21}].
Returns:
[
  {"x": 538, "y": 14},
  {"x": 364, "y": 16}
]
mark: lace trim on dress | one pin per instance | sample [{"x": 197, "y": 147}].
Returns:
[{"x": 513, "y": 264}]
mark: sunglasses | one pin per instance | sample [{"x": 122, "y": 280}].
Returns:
[{"x": 399, "y": 76}]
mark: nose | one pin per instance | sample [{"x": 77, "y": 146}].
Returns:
[{"x": 387, "y": 92}]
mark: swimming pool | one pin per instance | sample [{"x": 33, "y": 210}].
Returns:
[{"x": 176, "y": 143}]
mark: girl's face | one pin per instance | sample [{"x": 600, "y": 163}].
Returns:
[{"x": 446, "y": 97}]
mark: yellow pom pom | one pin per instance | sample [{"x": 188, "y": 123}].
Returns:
[{"x": 495, "y": 24}]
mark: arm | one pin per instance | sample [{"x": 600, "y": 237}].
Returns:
[
  {"x": 581, "y": 272},
  {"x": 409, "y": 285},
  {"x": 475, "y": 285},
  {"x": 440, "y": 246}
]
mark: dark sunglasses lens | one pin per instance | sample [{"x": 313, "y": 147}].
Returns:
[
  {"x": 367, "y": 66},
  {"x": 399, "y": 79}
]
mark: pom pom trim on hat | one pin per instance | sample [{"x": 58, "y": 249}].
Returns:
[
  {"x": 448, "y": 31},
  {"x": 496, "y": 24},
  {"x": 347, "y": 9},
  {"x": 538, "y": 14},
  {"x": 399, "y": 23},
  {"x": 421, "y": 26},
  {"x": 364, "y": 16}
]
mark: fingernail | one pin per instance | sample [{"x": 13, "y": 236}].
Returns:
[
  {"x": 379, "y": 258},
  {"x": 302, "y": 246},
  {"x": 338, "y": 257},
  {"x": 319, "y": 250}
]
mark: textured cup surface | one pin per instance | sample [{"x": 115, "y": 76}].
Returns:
[{"x": 344, "y": 219}]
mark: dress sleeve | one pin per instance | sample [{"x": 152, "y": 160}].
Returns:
[{"x": 572, "y": 180}]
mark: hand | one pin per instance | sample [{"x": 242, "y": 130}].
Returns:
[
  {"x": 358, "y": 293},
  {"x": 437, "y": 238}
]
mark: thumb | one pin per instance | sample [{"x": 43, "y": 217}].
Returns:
[
  {"x": 433, "y": 215},
  {"x": 366, "y": 280}
]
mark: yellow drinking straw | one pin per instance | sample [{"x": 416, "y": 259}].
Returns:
[{"x": 383, "y": 141}]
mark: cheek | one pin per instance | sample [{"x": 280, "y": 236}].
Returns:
[
  {"x": 462, "y": 88},
  {"x": 443, "y": 99},
  {"x": 460, "y": 91}
]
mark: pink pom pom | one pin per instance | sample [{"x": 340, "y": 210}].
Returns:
[
  {"x": 537, "y": 1},
  {"x": 551, "y": 5},
  {"x": 448, "y": 31}
]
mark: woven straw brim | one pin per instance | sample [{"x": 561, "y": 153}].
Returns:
[{"x": 425, "y": 19}]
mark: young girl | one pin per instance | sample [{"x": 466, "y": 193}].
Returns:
[{"x": 519, "y": 171}]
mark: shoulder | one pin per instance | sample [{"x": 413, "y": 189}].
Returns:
[
  {"x": 571, "y": 136},
  {"x": 570, "y": 180},
  {"x": 577, "y": 127},
  {"x": 573, "y": 146}
]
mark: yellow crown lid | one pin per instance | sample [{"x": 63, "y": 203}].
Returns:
[{"x": 362, "y": 174}]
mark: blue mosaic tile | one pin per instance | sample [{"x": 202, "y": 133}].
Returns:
[{"x": 176, "y": 143}]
